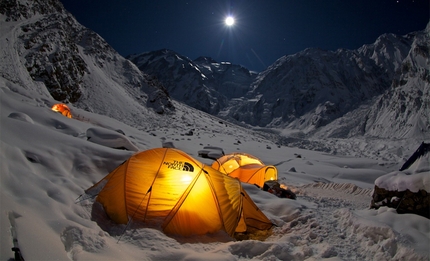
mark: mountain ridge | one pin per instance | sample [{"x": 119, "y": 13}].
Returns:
[
  {"x": 313, "y": 88},
  {"x": 202, "y": 83},
  {"x": 312, "y": 99}
]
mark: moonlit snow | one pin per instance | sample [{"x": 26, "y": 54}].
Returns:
[{"x": 48, "y": 160}]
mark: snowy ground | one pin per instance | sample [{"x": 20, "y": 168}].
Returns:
[{"x": 47, "y": 162}]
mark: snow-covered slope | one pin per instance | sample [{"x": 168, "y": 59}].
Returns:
[
  {"x": 48, "y": 160},
  {"x": 306, "y": 97},
  {"x": 47, "y": 51},
  {"x": 405, "y": 107}
]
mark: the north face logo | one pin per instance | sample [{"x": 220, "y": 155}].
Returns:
[
  {"x": 188, "y": 167},
  {"x": 179, "y": 165}
]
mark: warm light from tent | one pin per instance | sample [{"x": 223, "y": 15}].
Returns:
[
  {"x": 63, "y": 109},
  {"x": 186, "y": 179}
]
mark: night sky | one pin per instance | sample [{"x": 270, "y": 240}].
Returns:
[{"x": 264, "y": 30}]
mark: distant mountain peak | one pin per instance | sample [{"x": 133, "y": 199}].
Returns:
[{"x": 204, "y": 59}]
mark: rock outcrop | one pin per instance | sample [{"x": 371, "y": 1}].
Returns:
[{"x": 403, "y": 201}]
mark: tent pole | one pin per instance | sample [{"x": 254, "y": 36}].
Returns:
[
  {"x": 130, "y": 219},
  {"x": 149, "y": 190}
]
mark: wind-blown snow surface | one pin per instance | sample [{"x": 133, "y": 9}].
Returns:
[{"x": 47, "y": 162}]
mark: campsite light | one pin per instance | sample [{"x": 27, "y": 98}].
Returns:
[
  {"x": 246, "y": 168},
  {"x": 186, "y": 179},
  {"x": 63, "y": 109},
  {"x": 170, "y": 203}
]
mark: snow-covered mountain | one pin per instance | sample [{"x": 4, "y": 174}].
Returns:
[
  {"x": 311, "y": 99},
  {"x": 314, "y": 88},
  {"x": 203, "y": 84},
  {"x": 341, "y": 93},
  {"x": 404, "y": 109},
  {"x": 47, "y": 51},
  {"x": 48, "y": 160}
]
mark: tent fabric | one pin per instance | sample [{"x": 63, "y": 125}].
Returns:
[
  {"x": 252, "y": 218},
  {"x": 169, "y": 189},
  {"x": 246, "y": 168},
  {"x": 63, "y": 109}
]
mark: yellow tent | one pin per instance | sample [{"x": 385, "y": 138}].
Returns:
[
  {"x": 168, "y": 189},
  {"x": 245, "y": 167},
  {"x": 63, "y": 109}
]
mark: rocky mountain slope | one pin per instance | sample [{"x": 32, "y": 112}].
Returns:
[
  {"x": 313, "y": 98},
  {"x": 341, "y": 93},
  {"x": 203, "y": 83},
  {"x": 45, "y": 50}
]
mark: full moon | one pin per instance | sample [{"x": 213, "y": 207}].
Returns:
[{"x": 229, "y": 21}]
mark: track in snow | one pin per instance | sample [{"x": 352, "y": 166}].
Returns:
[{"x": 329, "y": 227}]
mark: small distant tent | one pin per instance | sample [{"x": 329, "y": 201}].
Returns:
[
  {"x": 246, "y": 168},
  {"x": 167, "y": 188},
  {"x": 63, "y": 109}
]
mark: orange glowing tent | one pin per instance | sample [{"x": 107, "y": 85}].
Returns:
[
  {"x": 246, "y": 168},
  {"x": 168, "y": 189},
  {"x": 63, "y": 109}
]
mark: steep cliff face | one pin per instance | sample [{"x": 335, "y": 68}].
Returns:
[
  {"x": 51, "y": 55},
  {"x": 404, "y": 109},
  {"x": 70, "y": 62}
]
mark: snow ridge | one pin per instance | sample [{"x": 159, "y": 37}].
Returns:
[{"x": 336, "y": 187}]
